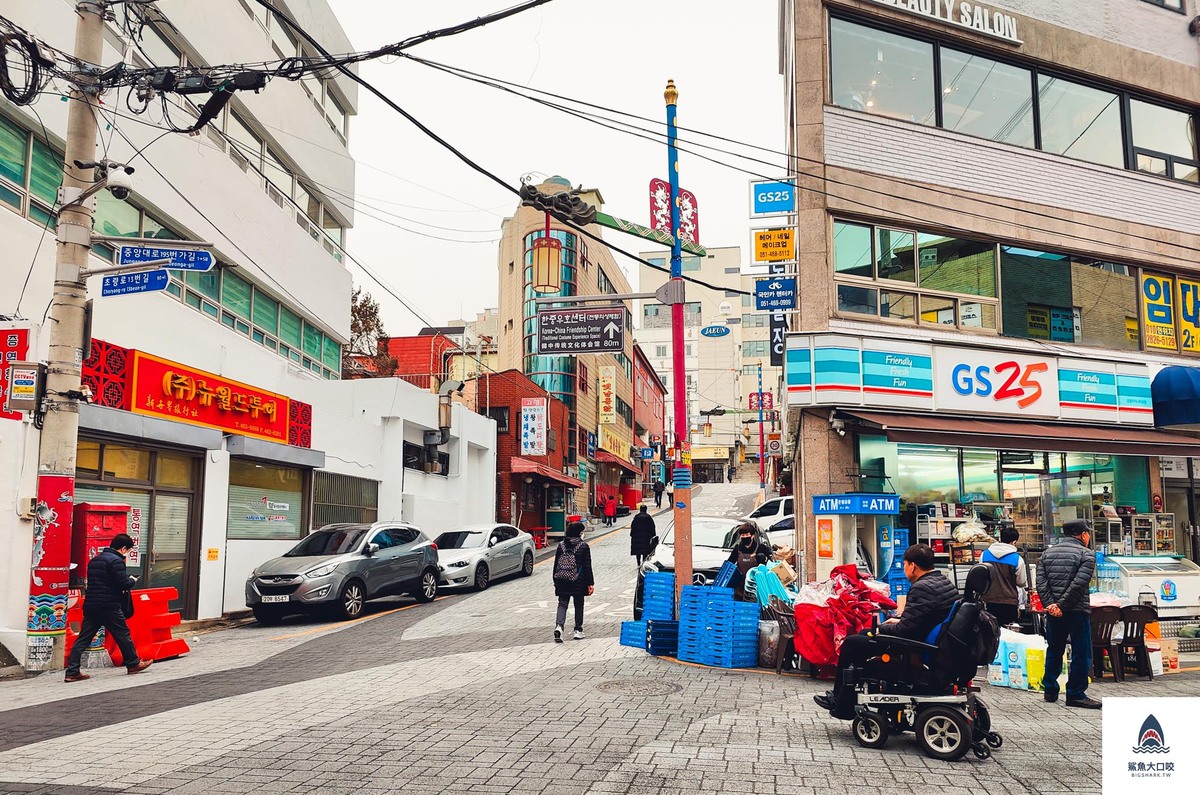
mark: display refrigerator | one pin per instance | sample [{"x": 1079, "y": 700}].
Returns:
[
  {"x": 1152, "y": 534},
  {"x": 1173, "y": 582}
]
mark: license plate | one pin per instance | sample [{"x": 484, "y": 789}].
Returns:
[{"x": 274, "y": 599}]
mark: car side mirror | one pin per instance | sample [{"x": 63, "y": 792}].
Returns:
[
  {"x": 493, "y": 541},
  {"x": 371, "y": 549}
]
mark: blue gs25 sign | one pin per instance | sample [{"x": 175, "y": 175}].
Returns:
[{"x": 775, "y": 197}]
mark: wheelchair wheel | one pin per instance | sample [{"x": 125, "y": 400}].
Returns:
[
  {"x": 983, "y": 726},
  {"x": 943, "y": 733},
  {"x": 870, "y": 730}
]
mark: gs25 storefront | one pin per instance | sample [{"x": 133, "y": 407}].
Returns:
[
  {"x": 1053, "y": 436},
  {"x": 145, "y": 442}
]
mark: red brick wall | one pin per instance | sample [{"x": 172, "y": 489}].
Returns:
[{"x": 419, "y": 360}]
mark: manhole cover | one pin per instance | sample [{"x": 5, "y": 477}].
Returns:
[{"x": 638, "y": 687}]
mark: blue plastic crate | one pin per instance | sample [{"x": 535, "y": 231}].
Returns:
[
  {"x": 750, "y": 661},
  {"x": 633, "y": 633},
  {"x": 725, "y": 575},
  {"x": 659, "y": 579}
]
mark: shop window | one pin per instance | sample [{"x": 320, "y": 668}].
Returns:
[
  {"x": 265, "y": 501},
  {"x": 938, "y": 311},
  {"x": 500, "y": 415},
  {"x": 87, "y": 459},
  {"x": 1080, "y": 121},
  {"x": 343, "y": 498},
  {"x": 955, "y": 265},
  {"x": 986, "y": 98},
  {"x": 174, "y": 470},
  {"x": 859, "y": 300},
  {"x": 882, "y": 73},
  {"x": 927, "y": 473},
  {"x": 979, "y": 476},
  {"x": 126, "y": 463}
]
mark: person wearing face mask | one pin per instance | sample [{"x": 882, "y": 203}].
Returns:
[{"x": 747, "y": 553}]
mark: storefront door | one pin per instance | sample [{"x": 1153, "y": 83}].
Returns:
[{"x": 166, "y": 564}]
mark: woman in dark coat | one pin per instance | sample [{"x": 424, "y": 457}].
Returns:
[
  {"x": 641, "y": 536},
  {"x": 572, "y": 578}
]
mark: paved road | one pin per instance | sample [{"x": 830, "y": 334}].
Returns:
[{"x": 469, "y": 694}]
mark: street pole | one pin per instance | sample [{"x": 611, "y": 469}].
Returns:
[
  {"x": 683, "y": 466},
  {"x": 49, "y": 577},
  {"x": 762, "y": 460}
]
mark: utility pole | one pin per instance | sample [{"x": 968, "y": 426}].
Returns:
[
  {"x": 683, "y": 464},
  {"x": 762, "y": 460},
  {"x": 49, "y": 577}
]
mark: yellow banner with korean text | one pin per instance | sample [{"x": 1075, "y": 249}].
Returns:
[
  {"x": 608, "y": 394},
  {"x": 1158, "y": 311}
]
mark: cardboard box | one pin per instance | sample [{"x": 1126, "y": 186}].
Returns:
[
  {"x": 1156, "y": 663},
  {"x": 785, "y": 573}
]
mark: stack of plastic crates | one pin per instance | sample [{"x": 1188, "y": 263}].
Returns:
[
  {"x": 717, "y": 631},
  {"x": 633, "y": 633},
  {"x": 658, "y": 596},
  {"x": 725, "y": 575},
  {"x": 662, "y": 638},
  {"x": 897, "y": 582}
]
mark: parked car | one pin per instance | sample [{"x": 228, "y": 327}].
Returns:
[
  {"x": 340, "y": 567},
  {"x": 713, "y": 537},
  {"x": 772, "y": 510},
  {"x": 780, "y": 530},
  {"x": 475, "y": 556}
]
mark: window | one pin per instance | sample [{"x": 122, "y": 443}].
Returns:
[
  {"x": 282, "y": 40},
  {"x": 266, "y": 502},
  {"x": 1164, "y": 140},
  {"x": 756, "y": 348},
  {"x": 691, "y": 263},
  {"x": 625, "y": 412},
  {"x": 414, "y": 458},
  {"x": 1081, "y": 122},
  {"x": 604, "y": 283},
  {"x": 660, "y": 351},
  {"x": 852, "y": 250},
  {"x": 500, "y": 415},
  {"x": 235, "y": 294},
  {"x": 582, "y": 377},
  {"x": 343, "y": 498},
  {"x": 245, "y": 148},
  {"x": 266, "y": 312},
  {"x": 1174, "y": 5},
  {"x": 884, "y": 73},
  {"x": 955, "y": 265},
  {"x": 986, "y": 98}
]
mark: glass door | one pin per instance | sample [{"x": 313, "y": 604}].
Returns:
[
  {"x": 1023, "y": 490},
  {"x": 166, "y": 565},
  {"x": 1065, "y": 497}
]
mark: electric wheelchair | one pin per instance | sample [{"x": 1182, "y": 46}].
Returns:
[{"x": 927, "y": 687}]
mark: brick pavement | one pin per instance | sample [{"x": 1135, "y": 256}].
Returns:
[{"x": 469, "y": 695}]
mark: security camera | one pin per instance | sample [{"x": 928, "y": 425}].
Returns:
[
  {"x": 838, "y": 425},
  {"x": 120, "y": 182}
]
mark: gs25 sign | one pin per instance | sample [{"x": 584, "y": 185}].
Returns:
[{"x": 997, "y": 383}]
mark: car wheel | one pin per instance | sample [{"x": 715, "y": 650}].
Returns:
[
  {"x": 527, "y": 564},
  {"x": 427, "y": 591},
  {"x": 351, "y": 600},
  {"x": 267, "y": 616},
  {"x": 482, "y": 577}
]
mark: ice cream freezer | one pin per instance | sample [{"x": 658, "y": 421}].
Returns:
[{"x": 1174, "y": 582}]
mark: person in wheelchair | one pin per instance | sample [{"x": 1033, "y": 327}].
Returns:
[{"x": 929, "y": 602}]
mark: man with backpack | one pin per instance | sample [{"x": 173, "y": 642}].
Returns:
[
  {"x": 929, "y": 601},
  {"x": 573, "y": 578},
  {"x": 1064, "y": 573},
  {"x": 1008, "y": 574}
]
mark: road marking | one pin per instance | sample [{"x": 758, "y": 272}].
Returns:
[{"x": 371, "y": 617}]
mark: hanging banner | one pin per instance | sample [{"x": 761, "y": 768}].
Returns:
[
  {"x": 533, "y": 426},
  {"x": 14, "y": 346},
  {"x": 608, "y": 395},
  {"x": 1188, "y": 300},
  {"x": 1158, "y": 311},
  {"x": 660, "y": 211},
  {"x": 778, "y": 325}
]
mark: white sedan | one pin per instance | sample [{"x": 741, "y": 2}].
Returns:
[{"x": 472, "y": 557}]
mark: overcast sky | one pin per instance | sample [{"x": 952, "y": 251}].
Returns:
[{"x": 619, "y": 54}]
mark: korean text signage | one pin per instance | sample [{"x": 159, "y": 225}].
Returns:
[
  {"x": 762, "y": 400},
  {"x": 608, "y": 395},
  {"x": 600, "y": 330},
  {"x": 776, "y": 197},
  {"x": 778, "y": 292},
  {"x": 612, "y": 443},
  {"x": 533, "y": 426},
  {"x": 778, "y": 325},
  {"x": 961, "y": 14},
  {"x": 877, "y": 504},
  {"x": 1158, "y": 311},
  {"x": 846, "y": 370},
  {"x": 166, "y": 389},
  {"x": 14, "y": 346},
  {"x": 774, "y": 245}
]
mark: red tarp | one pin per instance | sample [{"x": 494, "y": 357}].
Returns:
[{"x": 820, "y": 629}]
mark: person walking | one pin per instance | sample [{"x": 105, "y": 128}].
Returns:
[
  {"x": 1008, "y": 574},
  {"x": 1064, "y": 573},
  {"x": 105, "y": 604},
  {"x": 658, "y": 492},
  {"x": 641, "y": 536},
  {"x": 573, "y": 578},
  {"x": 610, "y": 511}
]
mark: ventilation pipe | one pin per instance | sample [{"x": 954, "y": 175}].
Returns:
[{"x": 435, "y": 439}]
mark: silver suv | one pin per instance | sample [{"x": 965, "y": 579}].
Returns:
[{"x": 341, "y": 566}]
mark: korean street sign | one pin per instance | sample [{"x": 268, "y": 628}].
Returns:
[
  {"x": 573, "y": 331},
  {"x": 774, "y": 245},
  {"x": 777, "y": 292},
  {"x": 183, "y": 259},
  {"x": 772, "y": 197},
  {"x": 128, "y": 283}
]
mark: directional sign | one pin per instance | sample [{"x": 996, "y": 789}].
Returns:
[
  {"x": 778, "y": 292},
  {"x": 182, "y": 259},
  {"x": 570, "y": 331},
  {"x": 772, "y": 197},
  {"x": 774, "y": 245},
  {"x": 714, "y": 331},
  {"x": 127, "y": 283}
]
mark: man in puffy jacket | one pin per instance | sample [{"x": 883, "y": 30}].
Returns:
[
  {"x": 108, "y": 585},
  {"x": 1064, "y": 573},
  {"x": 1008, "y": 575},
  {"x": 929, "y": 601}
]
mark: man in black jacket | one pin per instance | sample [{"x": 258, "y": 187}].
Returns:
[
  {"x": 1064, "y": 573},
  {"x": 641, "y": 536},
  {"x": 108, "y": 585},
  {"x": 929, "y": 601}
]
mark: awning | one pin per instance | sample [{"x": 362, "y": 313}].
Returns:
[
  {"x": 608, "y": 458},
  {"x": 1013, "y": 435},
  {"x": 1176, "y": 395},
  {"x": 524, "y": 465}
]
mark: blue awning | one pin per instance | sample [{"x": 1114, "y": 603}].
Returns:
[{"x": 1176, "y": 394}]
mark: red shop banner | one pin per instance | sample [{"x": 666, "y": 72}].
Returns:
[{"x": 168, "y": 390}]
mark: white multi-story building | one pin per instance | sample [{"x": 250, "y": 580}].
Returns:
[{"x": 270, "y": 184}]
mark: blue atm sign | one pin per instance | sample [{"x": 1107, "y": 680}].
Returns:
[
  {"x": 773, "y": 197},
  {"x": 864, "y": 504}
]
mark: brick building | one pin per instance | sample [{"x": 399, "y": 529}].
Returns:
[
  {"x": 422, "y": 359},
  {"x": 532, "y": 429},
  {"x": 649, "y": 410}
]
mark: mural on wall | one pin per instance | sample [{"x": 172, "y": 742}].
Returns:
[{"x": 49, "y": 574}]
